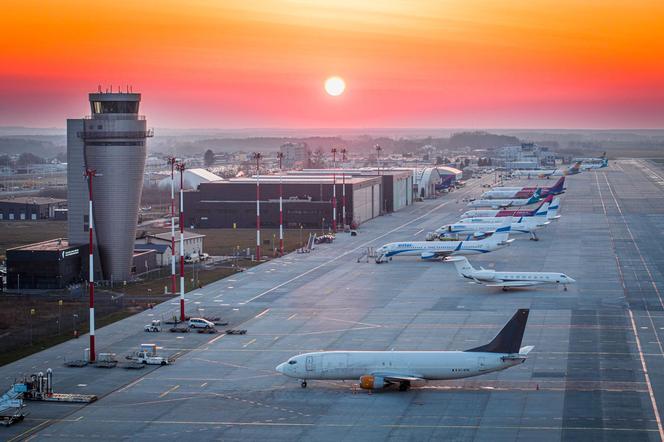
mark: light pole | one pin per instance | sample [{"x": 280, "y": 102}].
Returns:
[
  {"x": 171, "y": 162},
  {"x": 180, "y": 167},
  {"x": 90, "y": 173},
  {"x": 343, "y": 189},
  {"x": 257, "y": 157},
  {"x": 334, "y": 189},
  {"x": 378, "y": 149},
  {"x": 280, "y": 155}
]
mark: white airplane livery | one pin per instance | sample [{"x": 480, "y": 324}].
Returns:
[
  {"x": 505, "y": 279},
  {"x": 488, "y": 225},
  {"x": 540, "y": 173},
  {"x": 502, "y": 203},
  {"x": 550, "y": 211},
  {"x": 443, "y": 249},
  {"x": 380, "y": 369}
]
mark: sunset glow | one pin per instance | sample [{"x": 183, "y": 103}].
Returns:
[
  {"x": 411, "y": 63},
  {"x": 335, "y": 86}
]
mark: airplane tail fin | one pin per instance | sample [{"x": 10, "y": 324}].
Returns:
[
  {"x": 558, "y": 187},
  {"x": 462, "y": 266},
  {"x": 509, "y": 338},
  {"x": 552, "y": 213}
]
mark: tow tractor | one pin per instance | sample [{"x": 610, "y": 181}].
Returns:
[{"x": 147, "y": 355}]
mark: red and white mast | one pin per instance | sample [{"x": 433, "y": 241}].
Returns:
[
  {"x": 343, "y": 189},
  {"x": 181, "y": 168},
  {"x": 280, "y": 155},
  {"x": 334, "y": 189},
  {"x": 257, "y": 157},
  {"x": 89, "y": 173},
  {"x": 172, "y": 161}
]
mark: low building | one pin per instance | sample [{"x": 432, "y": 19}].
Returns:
[
  {"x": 30, "y": 208},
  {"x": 52, "y": 264},
  {"x": 425, "y": 181},
  {"x": 193, "y": 244},
  {"x": 191, "y": 179}
]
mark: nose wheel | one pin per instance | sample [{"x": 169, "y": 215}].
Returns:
[{"x": 303, "y": 384}]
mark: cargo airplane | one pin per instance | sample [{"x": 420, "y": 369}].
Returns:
[
  {"x": 509, "y": 202},
  {"x": 524, "y": 192},
  {"x": 442, "y": 249},
  {"x": 380, "y": 369},
  {"x": 505, "y": 279}
]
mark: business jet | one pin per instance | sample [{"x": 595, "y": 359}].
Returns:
[
  {"x": 545, "y": 173},
  {"x": 506, "y": 280},
  {"x": 548, "y": 208},
  {"x": 524, "y": 192},
  {"x": 380, "y": 369},
  {"x": 471, "y": 226},
  {"x": 504, "y": 203},
  {"x": 498, "y": 238}
]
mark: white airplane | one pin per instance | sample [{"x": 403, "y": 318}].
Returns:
[
  {"x": 481, "y": 226},
  {"x": 492, "y": 278},
  {"x": 524, "y": 192},
  {"x": 443, "y": 249},
  {"x": 543, "y": 173},
  {"x": 550, "y": 211},
  {"x": 380, "y": 369},
  {"x": 504, "y": 203},
  {"x": 594, "y": 163}
]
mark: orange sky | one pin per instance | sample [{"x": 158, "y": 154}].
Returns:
[{"x": 406, "y": 63}]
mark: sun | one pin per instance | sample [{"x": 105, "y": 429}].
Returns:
[{"x": 335, "y": 86}]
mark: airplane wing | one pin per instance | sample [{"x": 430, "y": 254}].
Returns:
[
  {"x": 398, "y": 377},
  {"x": 436, "y": 254},
  {"x": 515, "y": 284}
]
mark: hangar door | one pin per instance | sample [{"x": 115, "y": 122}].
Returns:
[{"x": 362, "y": 205}]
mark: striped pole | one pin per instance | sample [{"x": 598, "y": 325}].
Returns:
[
  {"x": 334, "y": 189},
  {"x": 257, "y": 157},
  {"x": 89, "y": 173},
  {"x": 180, "y": 168},
  {"x": 172, "y": 161},
  {"x": 280, "y": 155},
  {"x": 343, "y": 189}
]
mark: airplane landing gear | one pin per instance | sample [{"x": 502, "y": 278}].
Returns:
[
  {"x": 565, "y": 288},
  {"x": 404, "y": 386},
  {"x": 533, "y": 237},
  {"x": 504, "y": 289},
  {"x": 303, "y": 384}
]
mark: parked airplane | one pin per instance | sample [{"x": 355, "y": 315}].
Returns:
[
  {"x": 503, "y": 203},
  {"x": 544, "y": 209},
  {"x": 505, "y": 280},
  {"x": 443, "y": 249},
  {"x": 488, "y": 225},
  {"x": 594, "y": 163},
  {"x": 524, "y": 192},
  {"x": 380, "y": 369},
  {"x": 544, "y": 173}
]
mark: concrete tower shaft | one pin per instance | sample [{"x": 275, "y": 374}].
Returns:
[{"x": 113, "y": 140}]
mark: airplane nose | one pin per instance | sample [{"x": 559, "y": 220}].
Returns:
[{"x": 280, "y": 367}]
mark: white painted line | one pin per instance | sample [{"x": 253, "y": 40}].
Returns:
[
  {"x": 418, "y": 232},
  {"x": 249, "y": 343},
  {"x": 647, "y": 376},
  {"x": 262, "y": 313}
]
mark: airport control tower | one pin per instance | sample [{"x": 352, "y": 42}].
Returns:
[{"x": 111, "y": 141}]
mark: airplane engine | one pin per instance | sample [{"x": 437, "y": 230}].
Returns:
[
  {"x": 370, "y": 382},
  {"x": 427, "y": 255}
]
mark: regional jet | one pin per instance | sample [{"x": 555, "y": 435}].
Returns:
[
  {"x": 380, "y": 369},
  {"x": 550, "y": 211},
  {"x": 524, "y": 192},
  {"x": 442, "y": 249},
  {"x": 506, "y": 280},
  {"x": 504, "y": 203},
  {"x": 488, "y": 225},
  {"x": 545, "y": 173}
]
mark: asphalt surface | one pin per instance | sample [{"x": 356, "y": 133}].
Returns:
[{"x": 597, "y": 370}]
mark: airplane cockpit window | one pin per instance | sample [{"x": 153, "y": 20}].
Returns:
[{"x": 292, "y": 362}]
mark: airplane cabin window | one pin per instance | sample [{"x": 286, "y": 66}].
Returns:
[{"x": 292, "y": 362}]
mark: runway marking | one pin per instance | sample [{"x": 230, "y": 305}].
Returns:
[
  {"x": 170, "y": 390},
  {"x": 647, "y": 376},
  {"x": 291, "y": 316},
  {"x": 213, "y": 340},
  {"x": 128, "y": 386},
  {"x": 249, "y": 343},
  {"x": 203, "y": 384},
  {"x": 29, "y": 430},
  {"x": 262, "y": 313},
  {"x": 418, "y": 232}
]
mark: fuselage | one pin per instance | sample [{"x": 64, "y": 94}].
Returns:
[
  {"x": 429, "y": 365},
  {"x": 487, "y": 225},
  {"x": 537, "y": 277},
  {"x": 442, "y": 248},
  {"x": 502, "y": 202}
]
